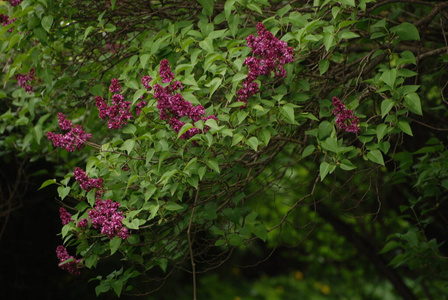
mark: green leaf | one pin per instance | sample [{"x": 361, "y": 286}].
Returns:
[
  {"x": 386, "y": 106},
  {"x": 117, "y": 286},
  {"x": 128, "y": 145},
  {"x": 46, "y": 22},
  {"x": 381, "y": 131},
  {"x": 235, "y": 240},
  {"x": 207, "y": 7},
  {"x": 389, "y": 77},
  {"x": 130, "y": 129},
  {"x": 282, "y": 11},
  {"x": 214, "y": 85},
  {"x": 413, "y": 103},
  {"x": 376, "y": 156},
  {"x": 265, "y": 136},
  {"x": 110, "y": 27},
  {"x": 261, "y": 232},
  {"x": 40, "y": 33},
  {"x": 213, "y": 164},
  {"x": 167, "y": 175},
  {"x": 207, "y": 45},
  {"x": 137, "y": 95},
  {"x": 253, "y": 143},
  {"x": 328, "y": 43},
  {"x": 406, "y": 32},
  {"x": 308, "y": 151},
  {"x": 347, "y": 165},
  {"x": 87, "y": 32},
  {"x": 185, "y": 128},
  {"x": 324, "y": 169},
  {"x": 238, "y": 137},
  {"x": 115, "y": 244},
  {"x": 228, "y": 7},
  {"x": 405, "y": 127},
  {"x": 287, "y": 111},
  {"x": 324, "y": 64},
  {"x": 347, "y": 35},
  {"x": 391, "y": 245},
  {"x": 47, "y": 183},
  {"x": 144, "y": 60},
  {"x": 255, "y": 7},
  {"x": 173, "y": 206},
  {"x": 324, "y": 130},
  {"x": 63, "y": 192}
]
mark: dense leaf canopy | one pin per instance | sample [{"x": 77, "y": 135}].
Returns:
[{"x": 184, "y": 134}]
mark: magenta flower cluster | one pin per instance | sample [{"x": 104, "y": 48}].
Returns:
[
  {"x": 71, "y": 266},
  {"x": 115, "y": 86},
  {"x": 145, "y": 81},
  {"x": 74, "y": 138},
  {"x": 5, "y": 20},
  {"x": 345, "y": 119},
  {"x": 139, "y": 106},
  {"x": 15, "y": 2},
  {"x": 271, "y": 55},
  {"x": 24, "y": 80},
  {"x": 165, "y": 71},
  {"x": 173, "y": 106},
  {"x": 85, "y": 182},
  {"x": 65, "y": 216},
  {"x": 119, "y": 112},
  {"x": 106, "y": 218}
]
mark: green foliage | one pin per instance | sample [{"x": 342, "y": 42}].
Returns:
[{"x": 189, "y": 199}]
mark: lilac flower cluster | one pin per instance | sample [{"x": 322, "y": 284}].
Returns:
[
  {"x": 74, "y": 138},
  {"x": 115, "y": 86},
  {"x": 5, "y": 20},
  {"x": 140, "y": 105},
  {"x": 119, "y": 112},
  {"x": 83, "y": 223},
  {"x": 71, "y": 266},
  {"x": 84, "y": 182},
  {"x": 107, "y": 219},
  {"x": 272, "y": 54},
  {"x": 345, "y": 119},
  {"x": 145, "y": 81},
  {"x": 173, "y": 106},
  {"x": 65, "y": 216},
  {"x": 15, "y": 2},
  {"x": 24, "y": 79},
  {"x": 165, "y": 71}
]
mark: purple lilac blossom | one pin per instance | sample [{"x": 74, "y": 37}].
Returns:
[
  {"x": 84, "y": 182},
  {"x": 83, "y": 223},
  {"x": 115, "y": 86},
  {"x": 72, "y": 266},
  {"x": 74, "y": 138},
  {"x": 105, "y": 217},
  {"x": 15, "y": 2},
  {"x": 118, "y": 113},
  {"x": 5, "y": 20},
  {"x": 173, "y": 106},
  {"x": 345, "y": 119},
  {"x": 271, "y": 55},
  {"x": 145, "y": 82},
  {"x": 24, "y": 79},
  {"x": 165, "y": 71},
  {"x": 140, "y": 105},
  {"x": 65, "y": 216}
]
